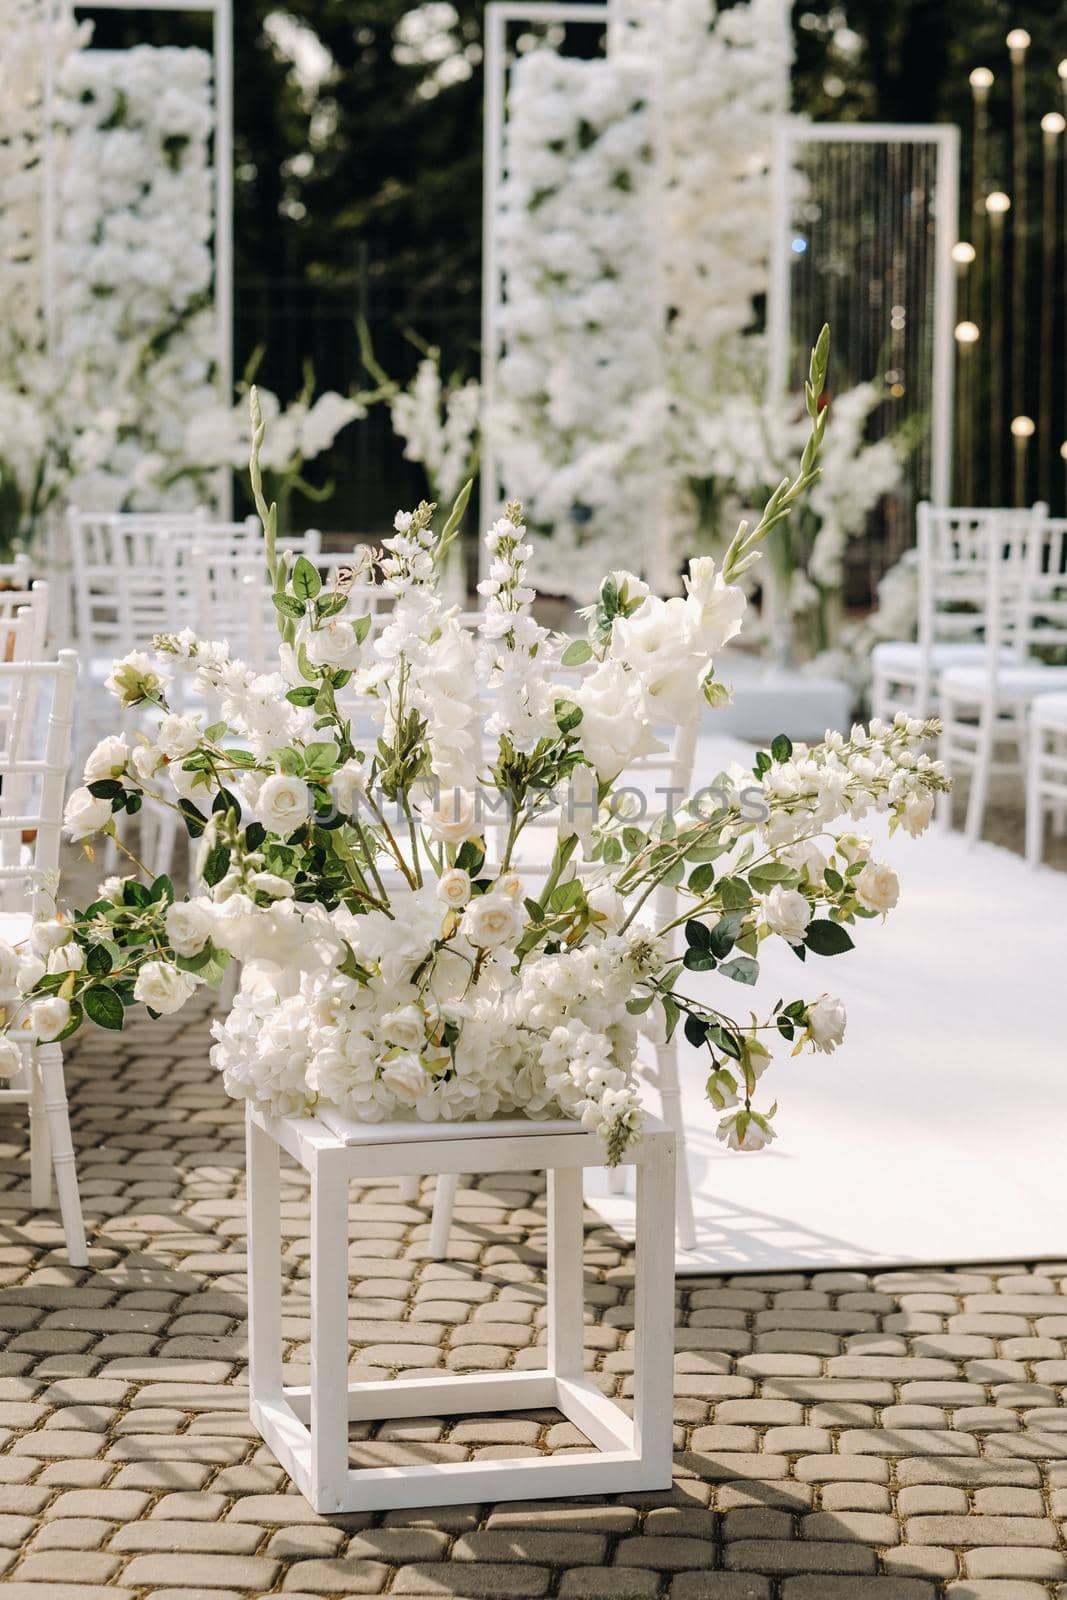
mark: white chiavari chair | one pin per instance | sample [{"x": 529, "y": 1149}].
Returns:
[
  {"x": 953, "y": 552},
  {"x": 984, "y": 706},
  {"x": 36, "y": 718},
  {"x": 16, "y": 573},
  {"x": 1046, "y": 772}
]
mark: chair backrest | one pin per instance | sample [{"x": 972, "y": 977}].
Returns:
[
  {"x": 23, "y": 622},
  {"x": 1041, "y": 625},
  {"x": 15, "y": 574},
  {"x": 36, "y": 716},
  {"x": 956, "y": 547}
]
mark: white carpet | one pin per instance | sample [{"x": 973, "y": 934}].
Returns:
[{"x": 938, "y": 1132}]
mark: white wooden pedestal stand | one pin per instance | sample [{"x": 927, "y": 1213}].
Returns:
[{"x": 307, "y": 1425}]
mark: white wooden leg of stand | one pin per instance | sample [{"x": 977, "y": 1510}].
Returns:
[
  {"x": 50, "y": 1058},
  {"x": 566, "y": 1281},
  {"x": 40, "y": 1143},
  {"x": 264, "y": 1265},
  {"x": 1035, "y": 812},
  {"x": 670, "y": 1099},
  {"x": 654, "y": 1322},
  {"x": 329, "y": 1333},
  {"x": 408, "y": 1189},
  {"x": 444, "y": 1204}
]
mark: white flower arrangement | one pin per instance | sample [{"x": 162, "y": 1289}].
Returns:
[{"x": 392, "y": 966}]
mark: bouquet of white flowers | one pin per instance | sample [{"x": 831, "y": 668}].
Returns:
[{"x": 391, "y": 964}]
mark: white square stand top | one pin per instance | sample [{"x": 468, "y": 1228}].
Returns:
[{"x": 307, "y": 1425}]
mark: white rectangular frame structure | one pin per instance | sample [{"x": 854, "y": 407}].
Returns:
[
  {"x": 498, "y": 14},
  {"x": 946, "y": 136},
  {"x": 221, "y": 12},
  {"x": 307, "y": 1427}
]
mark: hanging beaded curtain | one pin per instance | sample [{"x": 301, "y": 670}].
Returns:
[{"x": 861, "y": 242}]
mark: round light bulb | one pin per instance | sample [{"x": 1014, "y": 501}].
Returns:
[
  {"x": 1062, "y": 69},
  {"x": 967, "y": 333},
  {"x": 981, "y": 79},
  {"x": 1022, "y": 427},
  {"x": 997, "y": 203},
  {"x": 1063, "y": 449},
  {"x": 1017, "y": 41},
  {"x": 963, "y": 253},
  {"x": 1053, "y": 123}
]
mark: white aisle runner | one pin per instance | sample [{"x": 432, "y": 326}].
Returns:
[{"x": 938, "y": 1131}]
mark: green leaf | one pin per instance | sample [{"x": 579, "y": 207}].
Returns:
[
  {"x": 781, "y": 747},
  {"x": 568, "y": 715},
  {"x": 671, "y": 1013},
  {"x": 639, "y": 1004},
  {"x": 742, "y": 969},
  {"x": 827, "y": 938},
  {"x": 328, "y": 605},
  {"x": 765, "y": 877},
  {"x": 302, "y": 695},
  {"x": 288, "y": 605},
  {"x": 633, "y": 839},
  {"x": 471, "y": 857},
  {"x": 721, "y": 937},
  {"x": 106, "y": 789},
  {"x": 361, "y": 627},
  {"x": 217, "y": 865},
  {"x": 255, "y": 834},
  {"x": 305, "y": 580},
  {"x": 73, "y": 1024},
  {"x": 735, "y": 894},
  {"x": 697, "y": 936},
  {"x": 195, "y": 820},
  {"x": 215, "y": 732},
  {"x": 577, "y": 652},
  {"x": 698, "y": 960},
  {"x": 696, "y": 1030},
  {"x": 103, "y": 1006},
  {"x": 701, "y": 878},
  {"x": 98, "y": 962},
  {"x": 833, "y": 879}
]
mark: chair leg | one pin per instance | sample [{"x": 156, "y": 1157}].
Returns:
[
  {"x": 40, "y": 1145},
  {"x": 50, "y": 1059},
  {"x": 444, "y": 1203},
  {"x": 983, "y": 757},
  {"x": 1035, "y": 809},
  {"x": 945, "y": 750}
]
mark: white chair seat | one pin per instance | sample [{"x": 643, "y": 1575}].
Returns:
[
  {"x": 1050, "y": 711},
  {"x": 904, "y": 656},
  {"x": 1019, "y": 683}
]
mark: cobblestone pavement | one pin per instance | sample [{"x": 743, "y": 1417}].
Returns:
[{"x": 839, "y": 1436}]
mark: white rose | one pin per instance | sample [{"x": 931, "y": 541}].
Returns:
[
  {"x": 878, "y": 887},
  {"x": 787, "y": 913},
  {"x": 454, "y": 888},
  {"x": 406, "y": 1079},
  {"x": 188, "y": 785},
  {"x": 347, "y": 782},
  {"x": 918, "y": 810},
  {"x": 808, "y": 859},
  {"x": 31, "y": 970},
  {"x": 491, "y": 921},
  {"x": 12, "y": 1059},
  {"x": 10, "y": 963},
  {"x": 509, "y": 884},
  {"x": 178, "y": 736},
  {"x": 271, "y": 884},
  {"x": 163, "y": 987},
  {"x": 826, "y": 1018},
  {"x": 136, "y": 678},
  {"x": 85, "y": 815},
  {"x": 452, "y": 819},
  {"x": 49, "y": 1017},
  {"x": 609, "y": 904},
  {"x": 112, "y": 888},
  {"x": 107, "y": 760},
  {"x": 282, "y": 804},
  {"x": 67, "y": 958},
  {"x": 189, "y": 925},
  {"x": 334, "y": 644},
  {"x": 716, "y": 607},
  {"x": 49, "y": 935},
  {"x": 406, "y": 1028},
  {"x": 853, "y": 847},
  {"x": 745, "y": 1131},
  {"x": 579, "y": 805},
  {"x": 146, "y": 761}
]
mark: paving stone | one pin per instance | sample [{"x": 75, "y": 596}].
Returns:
[
  {"x": 607, "y": 1583},
  {"x": 802, "y": 1555},
  {"x": 979, "y": 1530},
  {"x": 719, "y": 1586},
  {"x": 480, "y": 1582},
  {"x": 665, "y": 1554},
  {"x": 879, "y": 1588}
]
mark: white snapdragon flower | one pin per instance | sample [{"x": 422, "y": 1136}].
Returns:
[
  {"x": 162, "y": 987},
  {"x": 826, "y": 1019},
  {"x": 878, "y": 887},
  {"x": 406, "y": 1078},
  {"x": 787, "y": 913},
  {"x": 917, "y": 813},
  {"x": 136, "y": 678},
  {"x": 190, "y": 925},
  {"x": 85, "y": 814},
  {"x": 454, "y": 888},
  {"x": 282, "y": 804},
  {"x": 492, "y": 920},
  {"x": 12, "y": 1059},
  {"x": 178, "y": 736},
  {"x": 452, "y": 818},
  {"x": 49, "y": 1017},
  {"x": 107, "y": 760}
]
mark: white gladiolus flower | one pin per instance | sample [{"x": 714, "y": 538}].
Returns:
[
  {"x": 787, "y": 913},
  {"x": 492, "y": 920},
  {"x": 826, "y": 1020},
  {"x": 162, "y": 987},
  {"x": 189, "y": 925},
  {"x": 453, "y": 818},
  {"x": 271, "y": 884},
  {"x": 282, "y": 804},
  {"x": 85, "y": 815},
  {"x": 178, "y": 736},
  {"x": 107, "y": 760},
  {"x": 49, "y": 1017},
  {"x": 878, "y": 887},
  {"x": 614, "y": 729},
  {"x": 716, "y": 607},
  {"x": 12, "y": 1059},
  {"x": 406, "y": 1078},
  {"x": 454, "y": 887},
  {"x": 579, "y": 805}
]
